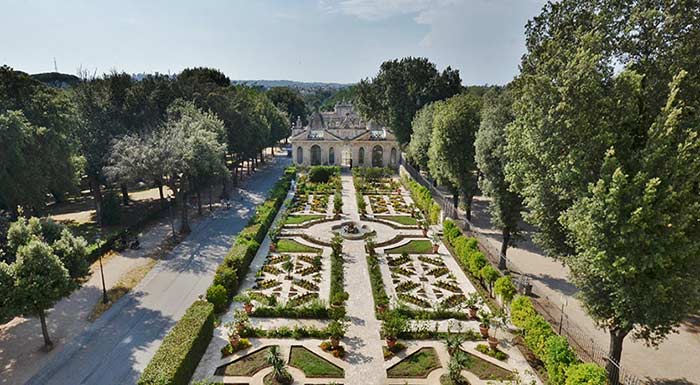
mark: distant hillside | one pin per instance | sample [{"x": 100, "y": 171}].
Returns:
[
  {"x": 292, "y": 84},
  {"x": 57, "y": 79}
]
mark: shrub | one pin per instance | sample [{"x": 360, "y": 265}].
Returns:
[
  {"x": 489, "y": 274},
  {"x": 179, "y": 354},
  {"x": 505, "y": 288},
  {"x": 321, "y": 174},
  {"x": 585, "y": 374},
  {"x": 227, "y": 277},
  {"x": 537, "y": 331},
  {"x": 476, "y": 260},
  {"x": 451, "y": 231},
  {"x": 558, "y": 358},
  {"x": 217, "y": 296},
  {"x": 111, "y": 212},
  {"x": 465, "y": 246},
  {"x": 435, "y": 213},
  {"x": 521, "y": 310}
]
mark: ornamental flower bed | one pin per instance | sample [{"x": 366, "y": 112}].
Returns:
[
  {"x": 412, "y": 299},
  {"x": 433, "y": 261},
  {"x": 453, "y": 300},
  {"x": 301, "y": 299},
  {"x": 447, "y": 286},
  {"x": 406, "y": 286},
  {"x": 398, "y": 261},
  {"x": 305, "y": 284},
  {"x": 438, "y": 272}
]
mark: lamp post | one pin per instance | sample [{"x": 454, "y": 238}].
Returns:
[{"x": 105, "y": 299}]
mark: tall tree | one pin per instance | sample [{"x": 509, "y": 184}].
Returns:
[
  {"x": 599, "y": 148},
  {"x": 451, "y": 153},
  {"x": 40, "y": 281},
  {"x": 37, "y": 153},
  {"x": 422, "y": 126},
  {"x": 490, "y": 144},
  {"x": 401, "y": 88},
  {"x": 189, "y": 146},
  {"x": 289, "y": 101}
]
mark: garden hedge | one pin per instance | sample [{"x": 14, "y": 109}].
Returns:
[
  {"x": 422, "y": 198},
  {"x": 585, "y": 374},
  {"x": 235, "y": 265},
  {"x": 179, "y": 354}
]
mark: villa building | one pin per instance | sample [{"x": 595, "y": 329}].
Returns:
[{"x": 341, "y": 137}]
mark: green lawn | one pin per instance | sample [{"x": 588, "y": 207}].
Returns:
[
  {"x": 299, "y": 219},
  {"x": 416, "y": 246},
  {"x": 291, "y": 246},
  {"x": 312, "y": 365},
  {"x": 245, "y": 366},
  {"x": 486, "y": 370},
  {"x": 417, "y": 365},
  {"x": 405, "y": 220}
]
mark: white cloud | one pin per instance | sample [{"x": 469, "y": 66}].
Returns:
[{"x": 377, "y": 10}]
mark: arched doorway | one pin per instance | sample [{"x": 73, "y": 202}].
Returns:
[
  {"x": 300, "y": 155},
  {"x": 331, "y": 156},
  {"x": 377, "y": 156},
  {"x": 315, "y": 155},
  {"x": 361, "y": 156},
  {"x": 392, "y": 157}
]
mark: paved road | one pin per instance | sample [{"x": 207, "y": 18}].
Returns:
[{"x": 117, "y": 347}]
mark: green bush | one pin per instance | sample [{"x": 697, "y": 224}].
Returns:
[
  {"x": 435, "y": 210},
  {"x": 111, "y": 211},
  {"x": 489, "y": 274},
  {"x": 505, "y": 288},
  {"x": 521, "y": 310},
  {"x": 179, "y": 354},
  {"x": 537, "y": 331},
  {"x": 322, "y": 174},
  {"x": 227, "y": 277},
  {"x": 585, "y": 374},
  {"x": 558, "y": 358},
  {"x": 477, "y": 261},
  {"x": 217, "y": 296},
  {"x": 451, "y": 231},
  {"x": 465, "y": 246}
]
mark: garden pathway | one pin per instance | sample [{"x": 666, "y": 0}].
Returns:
[{"x": 362, "y": 338}]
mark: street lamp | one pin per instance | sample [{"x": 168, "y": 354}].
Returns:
[{"x": 104, "y": 287}]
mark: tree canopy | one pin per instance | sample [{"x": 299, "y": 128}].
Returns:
[{"x": 401, "y": 88}]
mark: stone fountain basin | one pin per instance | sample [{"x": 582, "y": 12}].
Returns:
[{"x": 363, "y": 230}]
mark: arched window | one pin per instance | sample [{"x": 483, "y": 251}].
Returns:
[
  {"x": 315, "y": 155},
  {"x": 331, "y": 156},
  {"x": 361, "y": 156},
  {"x": 300, "y": 155},
  {"x": 377, "y": 156},
  {"x": 392, "y": 157}
]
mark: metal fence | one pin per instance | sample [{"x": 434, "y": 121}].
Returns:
[{"x": 584, "y": 345}]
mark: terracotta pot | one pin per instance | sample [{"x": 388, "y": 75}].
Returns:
[
  {"x": 240, "y": 327},
  {"x": 381, "y": 309},
  {"x": 233, "y": 339},
  {"x": 493, "y": 343},
  {"x": 484, "y": 330},
  {"x": 435, "y": 248},
  {"x": 273, "y": 247},
  {"x": 472, "y": 312},
  {"x": 391, "y": 342},
  {"x": 425, "y": 233},
  {"x": 248, "y": 308},
  {"x": 335, "y": 342}
]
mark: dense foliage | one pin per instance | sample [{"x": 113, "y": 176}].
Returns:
[{"x": 183, "y": 347}]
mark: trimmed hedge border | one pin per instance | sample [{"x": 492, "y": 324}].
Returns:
[{"x": 179, "y": 354}]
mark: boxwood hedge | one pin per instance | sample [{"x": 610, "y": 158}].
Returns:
[{"x": 179, "y": 354}]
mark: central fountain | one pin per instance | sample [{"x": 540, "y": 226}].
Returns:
[{"x": 353, "y": 231}]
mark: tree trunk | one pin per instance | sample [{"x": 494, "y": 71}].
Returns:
[
  {"x": 468, "y": 206},
  {"x": 160, "y": 190},
  {"x": 617, "y": 336},
  {"x": 44, "y": 330},
  {"x": 125, "y": 194},
  {"x": 184, "y": 220},
  {"x": 210, "y": 192},
  {"x": 504, "y": 249},
  {"x": 199, "y": 202},
  {"x": 96, "y": 191}
]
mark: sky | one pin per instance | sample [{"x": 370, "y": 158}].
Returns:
[{"x": 305, "y": 40}]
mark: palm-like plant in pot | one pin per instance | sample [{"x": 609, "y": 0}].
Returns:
[
  {"x": 274, "y": 234},
  {"x": 435, "y": 239},
  {"x": 423, "y": 223},
  {"x": 336, "y": 330},
  {"x": 247, "y": 300},
  {"x": 393, "y": 326},
  {"x": 275, "y": 360},
  {"x": 241, "y": 321},
  {"x": 485, "y": 318},
  {"x": 498, "y": 321},
  {"x": 472, "y": 303}
]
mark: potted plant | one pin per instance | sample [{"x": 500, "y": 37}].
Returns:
[
  {"x": 382, "y": 306},
  {"x": 472, "y": 303},
  {"x": 274, "y": 235},
  {"x": 336, "y": 331},
  {"x": 498, "y": 321},
  {"x": 436, "y": 242},
  {"x": 485, "y": 318},
  {"x": 424, "y": 227},
  {"x": 241, "y": 321},
  {"x": 275, "y": 360},
  {"x": 247, "y": 301},
  {"x": 393, "y": 325}
]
